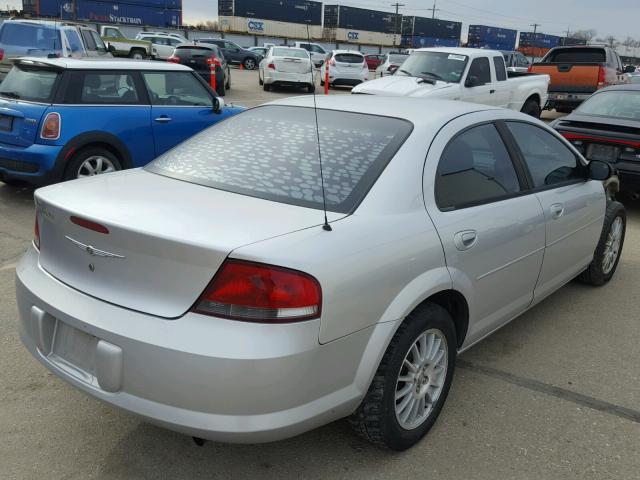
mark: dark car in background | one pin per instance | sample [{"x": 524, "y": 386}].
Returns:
[
  {"x": 201, "y": 58},
  {"x": 606, "y": 127},
  {"x": 234, "y": 53}
]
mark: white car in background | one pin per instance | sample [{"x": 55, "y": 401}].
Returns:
[
  {"x": 346, "y": 67},
  {"x": 391, "y": 63},
  {"x": 288, "y": 67},
  {"x": 316, "y": 52},
  {"x": 164, "y": 43}
]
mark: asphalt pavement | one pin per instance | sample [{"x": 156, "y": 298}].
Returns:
[{"x": 553, "y": 395}]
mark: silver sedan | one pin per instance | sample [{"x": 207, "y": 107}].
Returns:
[{"x": 210, "y": 293}]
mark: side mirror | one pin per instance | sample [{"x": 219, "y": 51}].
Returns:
[
  {"x": 393, "y": 69},
  {"x": 472, "y": 81},
  {"x": 111, "y": 49},
  {"x": 218, "y": 104},
  {"x": 599, "y": 170},
  {"x": 629, "y": 69}
]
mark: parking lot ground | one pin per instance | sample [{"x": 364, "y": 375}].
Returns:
[{"x": 553, "y": 395}]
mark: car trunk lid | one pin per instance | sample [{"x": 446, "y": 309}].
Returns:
[
  {"x": 19, "y": 122},
  {"x": 157, "y": 255},
  {"x": 291, "y": 65}
]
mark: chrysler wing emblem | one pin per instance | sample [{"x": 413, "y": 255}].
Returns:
[{"x": 92, "y": 250}]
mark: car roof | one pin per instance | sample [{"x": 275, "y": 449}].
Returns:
[
  {"x": 291, "y": 48},
  {"x": 411, "y": 109},
  {"x": 635, "y": 87},
  {"x": 43, "y": 23},
  {"x": 336, "y": 52},
  {"x": 469, "y": 52},
  {"x": 104, "y": 64}
]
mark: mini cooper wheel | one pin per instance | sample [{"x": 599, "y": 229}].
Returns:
[
  {"x": 607, "y": 254},
  {"x": 90, "y": 162},
  {"x": 412, "y": 381}
]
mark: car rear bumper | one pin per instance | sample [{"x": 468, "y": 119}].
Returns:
[
  {"x": 207, "y": 377},
  {"x": 273, "y": 77},
  {"x": 34, "y": 164},
  {"x": 566, "y": 99}
]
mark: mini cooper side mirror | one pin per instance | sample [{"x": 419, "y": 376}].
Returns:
[
  {"x": 600, "y": 170},
  {"x": 218, "y": 104}
]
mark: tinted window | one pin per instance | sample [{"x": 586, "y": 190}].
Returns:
[
  {"x": 475, "y": 168},
  {"x": 282, "y": 163},
  {"x": 349, "y": 58},
  {"x": 577, "y": 55},
  {"x": 74, "y": 41},
  {"x": 102, "y": 88},
  {"x": 176, "y": 88},
  {"x": 501, "y": 73},
  {"x": 35, "y": 85},
  {"x": 613, "y": 103},
  {"x": 88, "y": 40},
  {"x": 29, "y": 35},
  {"x": 231, "y": 46},
  {"x": 480, "y": 69},
  {"x": 548, "y": 159},
  {"x": 193, "y": 51}
]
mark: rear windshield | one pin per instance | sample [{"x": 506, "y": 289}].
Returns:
[
  {"x": 614, "y": 103},
  {"x": 349, "y": 58},
  {"x": 36, "y": 37},
  {"x": 191, "y": 51},
  {"x": 290, "y": 52},
  {"x": 577, "y": 55},
  {"x": 32, "y": 84},
  {"x": 282, "y": 164}
]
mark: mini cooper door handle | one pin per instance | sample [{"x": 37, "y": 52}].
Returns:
[
  {"x": 465, "y": 240},
  {"x": 557, "y": 209},
  {"x": 163, "y": 119}
]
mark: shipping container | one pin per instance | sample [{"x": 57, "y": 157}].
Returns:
[
  {"x": 291, "y": 11},
  {"x": 507, "y": 47},
  {"x": 371, "y": 38},
  {"x": 430, "y": 27},
  {"x": 270, "y": 28},
  {"x": 103, "y": 12},
  {"x": 56, "y": 8},
  {"x": 427, "y": 42},
  {"x": 352, "y": 18},
  {"x": 539, "y": 40},
  {"x": 482, "y": 36}
]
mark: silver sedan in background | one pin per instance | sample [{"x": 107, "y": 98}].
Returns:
[{"x": 211, "y": 293}]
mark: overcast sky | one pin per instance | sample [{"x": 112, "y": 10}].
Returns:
[{"x": 620, "y": 18}]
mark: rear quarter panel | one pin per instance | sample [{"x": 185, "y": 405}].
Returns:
[{"x": 525, "y": 87}]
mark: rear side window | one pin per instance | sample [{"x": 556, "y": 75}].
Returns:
[
  {"x": 35, "y": 85},
  {"x": 29, "y": 35},
  {"x": 177, "y": 89},
  {"x": 480, "y": 69},
  {"x": 501, "y": 73},
  {"x": 108, "y": 88},
  {"x": 577, "y": 55},
  {"x": 100, "y": 46},
  {"x": 282, "y": 163},
  {"x": 349, "y": 58},
  {"x": 475, "y": 168},
  {"x": 549, "y": 161}
]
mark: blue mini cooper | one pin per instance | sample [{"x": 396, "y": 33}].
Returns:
[{"x": 62, "y": 119}]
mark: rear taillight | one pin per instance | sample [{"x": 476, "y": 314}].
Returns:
[
  {"x": 213, "y": 61},
  {"x": 1, "y": 54},
  {"x": 88, "y": 224},
  {"x": 256, "y": 292},
  {"x": 601, "y": 77},
  {"x": 332, "y": 62},
  {"x": 51, "y": 126},
  {"x": 173, "y": 59},
  {"x": 271, "y": 66},
  {"x": 36, "y": 233}
]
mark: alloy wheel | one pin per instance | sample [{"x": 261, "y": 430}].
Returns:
[
  {"x": 612, "y": 246},
  {"x": 95, "y": 165}
]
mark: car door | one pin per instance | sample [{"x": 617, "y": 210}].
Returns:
[
  {"x": 491, "y": 228},
  {"x": 482, "y": 92},
  {"x": 181, "y": 106},
  {"x": 573, "y": 206}
]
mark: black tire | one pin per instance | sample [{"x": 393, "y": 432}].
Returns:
[
  {"x": 71, "y": 172},
  {"x": 137, "y": 53},
  {"x": 532, "y": 108},
  {"x": 311, "y": 88},
  {"x": 13, "y": 182},
  {"x": 375, "y": 419},
  {"x": 228, "y": 84},
  {"x": 260, "y": 82},
  {"x": 266, "y": 87},
  {"x": 249, "y": 64},
  {"x": 221, "y": 89},
  {"x": 595, "y": 274}
]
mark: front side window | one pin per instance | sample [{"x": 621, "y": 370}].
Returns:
[
  {"x": 111, "y": 33},
  {"x": 480, "y": 69},
  {"x": 108, "y": 88},
  {"x": 89, "y": 40},
  {"x": 317, "y": 49},
  {"x": 100, "y": 46},
  {"x": 177, "y": 89},
  {"x": 74, "y": 41},
  {"x": 231, "y": 46},
  {"x": 501, "y": 73},
  {"x": 475, "y": 168},
  {"x": 549, "y": 161},
  {"x": 282, "y": 164}
]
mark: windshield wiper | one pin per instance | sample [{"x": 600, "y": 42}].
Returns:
[
  {"x": 434, "y": 75},
  {"x": 404, "y": 71},
  {"x": 10, "y": 94}
]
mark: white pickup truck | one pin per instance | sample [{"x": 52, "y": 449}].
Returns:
[{"x": 467, "y": 74}]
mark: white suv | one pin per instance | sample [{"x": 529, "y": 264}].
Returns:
[
  {"x": 164, "y": 43},
  {"x": 316, "y": 52}
]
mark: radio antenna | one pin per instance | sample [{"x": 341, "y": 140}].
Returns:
[{"x": 326, "y": 225}]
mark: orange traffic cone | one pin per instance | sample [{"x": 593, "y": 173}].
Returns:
[{"x": 241, "y": 66}]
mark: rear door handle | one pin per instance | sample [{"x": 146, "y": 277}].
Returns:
[
  {"x": 465, "y": 240},
  {"x": 163, "y": 119},
  {"x": 557, "y": 209}
]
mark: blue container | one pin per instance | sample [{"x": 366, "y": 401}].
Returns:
[
  {"x": 418, "y": 41},
  {"x": 483, "y": 34},
  {"x": 431, "y": 28},
  {"x": 292, "y": 11},
  {"x": 56, "y": 8},
  {"x": 353, "y": 18},
  {"x": 538, "y": 40},
  {"x": 492, "y": 46},
  {"x": 102, "y": 12}
]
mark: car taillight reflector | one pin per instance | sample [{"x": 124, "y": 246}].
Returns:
[
  {"x": 36, "y": 233},
  {"x": 83, "y": 222},
  {"x": 591, "y": 138},
  {"x": 601, "y": 77},
  {"x": 51, "y": 126},
  {"x": 256, "y": 292},
  {"x": 271, "y": 66},
  {"x": 173, "y": 59}
]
